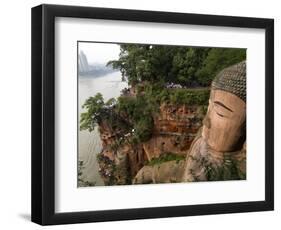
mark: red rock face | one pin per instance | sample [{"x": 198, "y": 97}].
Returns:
[
  {"x": 174, "y": 130},
  {"x": 106, "y": 134},
  {"x": 136, "y": 159}
]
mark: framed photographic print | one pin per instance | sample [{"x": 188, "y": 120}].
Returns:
[{"x": 142, "y": 114}]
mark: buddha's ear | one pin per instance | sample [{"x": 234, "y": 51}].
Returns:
[
  {"x": 244, "y": 127},
  {"x": 242, "y": 139}
]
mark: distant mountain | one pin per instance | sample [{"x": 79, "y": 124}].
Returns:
[
  {"x": 83, "y": 64},
  {"x": 94, "y": 70}
]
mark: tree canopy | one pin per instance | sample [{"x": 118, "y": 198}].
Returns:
[
  {"x": 95, "y": 107},
  {"x": 188, "y": 66}
]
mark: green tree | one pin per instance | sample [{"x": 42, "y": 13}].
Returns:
[
  {"x": 188, "y": 66},
  {"x": 95, "y": 110},
  {"x": 218, "y": 59},
  {"x": 186, "y": 62},
  {"x": 139, "y": 114}
]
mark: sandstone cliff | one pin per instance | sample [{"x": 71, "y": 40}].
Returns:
[{"x": 175, "y": 127}]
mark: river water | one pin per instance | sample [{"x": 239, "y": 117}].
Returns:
[{"x": 109, "y": 86}]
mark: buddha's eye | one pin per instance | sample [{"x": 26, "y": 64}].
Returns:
[
  {"x": 222, "y": 110},
  {"x": 222, "y": 105},
  {"x": 220, "y": 114}
]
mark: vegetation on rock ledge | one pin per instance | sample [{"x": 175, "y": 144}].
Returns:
[{"x": 164, "y": 158}]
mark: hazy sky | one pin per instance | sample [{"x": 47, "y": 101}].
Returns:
[{"x": 99, "y": 52}]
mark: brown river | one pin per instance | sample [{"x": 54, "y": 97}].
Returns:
[{"x": 89, "y": 144}]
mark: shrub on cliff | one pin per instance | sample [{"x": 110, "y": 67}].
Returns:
[
  {"x": 165, "y": 157},
  {"x": 143, "y": 128},
  {"x": 189, "y": 97},
  {"x": 98, "y": 111},
  {"x": 95, "y": 107},
  {"x": 139, "y": 114},
  {"x": 217, "y": 60},
  {"x": 156, "y": 94}
]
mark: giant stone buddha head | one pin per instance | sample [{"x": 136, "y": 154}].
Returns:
[{"x": 224, "y": 127}]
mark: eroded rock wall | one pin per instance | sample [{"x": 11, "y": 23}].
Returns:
[{"x": 174, "y": 130}]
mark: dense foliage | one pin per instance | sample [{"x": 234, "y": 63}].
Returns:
[
  {"x": 96, "y": 108},
  {"x": 139, "y": 114},
  {"x": 157, "y": 94},
  {"x": 182, "y": 65}
]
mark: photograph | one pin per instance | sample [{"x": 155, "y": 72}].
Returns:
[
  {"x": 153, "y": 113},
  {"x": 140, "y": 114}
]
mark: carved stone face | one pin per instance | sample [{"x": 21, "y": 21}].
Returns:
[{"x": 224, "y": 124}]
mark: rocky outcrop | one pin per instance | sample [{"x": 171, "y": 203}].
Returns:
[
  {"x": 174, "y": 130},
  {"x": 118, "y": 161},
  {"x": 167, "y": 172}
]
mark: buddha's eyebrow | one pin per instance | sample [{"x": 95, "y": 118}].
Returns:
[{"x": 221, "y": 104}]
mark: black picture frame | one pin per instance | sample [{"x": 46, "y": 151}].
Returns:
[{"x": 43, "y": 114}]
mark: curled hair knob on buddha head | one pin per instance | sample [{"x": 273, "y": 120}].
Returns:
[{"x": 233, "y": 80}]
